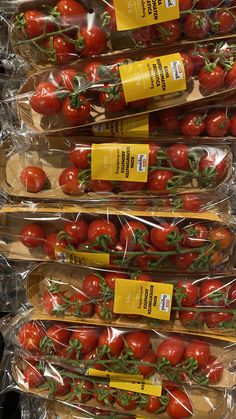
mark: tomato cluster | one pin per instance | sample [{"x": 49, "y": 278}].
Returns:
[
  {"x": 146, "y": 243},
  {"x": 126, "y": 352},
  {"x": 170, "y": 168}
]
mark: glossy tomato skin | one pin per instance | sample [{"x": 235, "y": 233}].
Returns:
[
  {"x": 223, "y": 236},
  {"x": 93, "y": 356},
  {"x": 131, "y": 186},
  {"x": 168, "y": 119},
  {"x": 232, "y": 296},
  {"x": 127, "y": 400},
  {"x": 183, "y": 262},
  {"x": 45, "y": 100},
  {"x": 190, "y": 291},
  {"x": 188, "y": 66},
  {"x": 153, "y": 404},
  {"x": 212, "y": 79},
  {"x": 33, "y": 178},
  {"x": 197, "y": 25},
  {"x": 217, "y": 124},
  {"x": 94, "y": 41},
  {"x": 138, "y": 342},
  {"x": 192, "y": 319},
  {"x": 76, "y": 115},
  {"x": 54, "y": 302},
  {"x": 92, "y": 286},
  {"x": 213, "y": 370},
  {"x": 153, "y": 154},
  {"x": 76, "y": 231},
  {"x": 112, "y": 98},
  {"x": 35, "y": 22},
  {"x": 30, "y": 335},
  {"x": 134, "y": 235},
  {"x": 212, "y": 292},
  {"x": 69, "y": 181},
  {"x": 51, "y": 242},
  {"x": 216, "y": 320},
  {"x": 103, "y": 394},
  {"x": 199, "y": 350},
  {"x": 195, "y": 236},
  {"x": 198, "y": 55},
  {"x": 112, "y": 340},
  {"x": 59, "y": 336},
  {"x": 171, "y": 349},
  {"x": 109, "y": 18},
  {"x": 94, "y": 71},
  {"x": 71, "y": 12},
  {"x": 191, "y": 202},
  {"x": 61, "y": 388},
  {"x": 230, "y": 77},
  {"x": 67, "y": 78},
  {"x": 225, "y": 21},
  {"x": 83, "y": 390},
  {"x": 102, "y": 229},
  {"x": 80, "y": 156},
  {"x": 179, "y": 405},
  {"x": 32, "y": 377},
  {"x": 32, "y": 235},
  {"x": 169, "y": 31},
  {"x": 192, "y": 125},
  {"x": 101, "y": 186},
  {"x": 179, "y": 156},
  {"x": 144, "y": 261},
  {"x": 84, "y": 338},
  {"x": 146, "y": 370},
  {"x": 158, "y": 180},
  {"x": 81, "y": 306},
  {"x": 110, "y": 278},
  {"x": 163, "y": 237},
  {"x": 64, "y": 51}
]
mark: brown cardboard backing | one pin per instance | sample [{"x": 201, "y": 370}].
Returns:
[{"x": 53, "y": 158}]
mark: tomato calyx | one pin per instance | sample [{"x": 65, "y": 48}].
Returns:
[
  {"x": 76, "y": 100},
  {"x": 46, "y": 345},
  {"x": 106, "y": 21},
  {"x": 113, "y": 93},
  {"x": 105, "y": 312},
  {"x": 54, "y": 12},
  {"x": 164, "y": 400},
  {"x": 20, "y": 22}
]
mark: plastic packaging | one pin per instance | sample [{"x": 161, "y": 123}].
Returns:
[
  {"x": 59, "y": 33},
  {"x": 65, "y": 170},
  {"x": 113, "y": 237}
]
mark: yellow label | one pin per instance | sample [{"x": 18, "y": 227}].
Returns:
[
  {"x": 125, "y": 162},
  {"x": 153, "y": 77},
  {"x": 149, "y": 299},
  {"x": 131, "y": 14},
  {"x": 92, "y": 372},
  {"x": 82, "y": 258},
  {"x": 135, "y": 127},
  {"x": 152, "y": 386}
]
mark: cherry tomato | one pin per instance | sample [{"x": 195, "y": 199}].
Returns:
[
  {"x": 147, "y": 370},
  {"x": 217, "y": 124},
  {"x": 138, "y": 343},
  {"x": 109, "y": 18},
  {"x": 71, "y": 12},
  {"x": 76, "y": 112},
  {"x": 30, "y": 335},
  {"x": 54, "y": 302},
  {"x": 104, "y": 310},
  {"x": 142, "y": 276},
  {"x": 69, "y": 181},
  {"x": 211, "y": 78},
  {"x": 164, "y": 237},
  {"x": 63, "y": 50},
  {"x": 82, "y": 390},
  {"x": 199, "y": 350},
  {"x": 92, "y": 41},
  {"x": 179, "y": 156},
  {"x": 225, "y": 21},
  {"x": 169, "y": 120},
  {"x": 35, "y": 23},
  {"x": 198, "y": 55},
  {"x": 217, "y": 320},
  {"x": 183, "y": 262},
  {"x": 32, "y": 235},
  {"x": 33, "y": 178},
  {"x": 84, "y": 339},
  {"x": 127, "y": 399},
  {"x": 185, "y": 5},
  {"x": 179, "y": 405},
  {"x": 50, "y": 244},
  {"x": 134, "y": 235},
  {"x": 146, "y": 261},
  {"x": 112, "y": 340},
  {"x": 95, "y": 72},
  {"x": 58, "y": 336},
  {"x": 45, "y": 100},
  {"x": 213, "y": 170},
  {"x": 191, "y": 202},
  {"x": 188, "y": 66},
  {"x": 144, "y": 36},
  {"x": 81, "y": 306},
  {"x": 192, "y": 319},
  {"x": 93, "y": 356},
  {"x": 153, "y": 154},
  {"x": 214, "y": 370},
  {"x": 32, "y": 377},
  {"x": 110, "y": 278},
  {"x": 153, "y": 404},
  {"x": 101, "y": 186},
  {"x": 60, "y": 388},
  {"x": 195, "y": 235},
  {"x": 131, "y": 186},
  {"x": 232, "y": 295},
  {"x": 171, "y": 349},
  {"x": 112, "y": 98},
  {"x": 76, "y": 231},
  {"x": 102, "y": 232},
  {"x": 197, "y": 25},
  {"x": 115, "y": 66},
  {"x": 67, "y": 78},
  {"x": 92, "y": 286},
  {"x": 158, "y": 180},
  {"x": 192, "y": 125},
  {"x": 223, "y": 236},
  {"x": 186, "y": 293},
  {"x": 212, "y": 292},
  {"x": 233, "y": 125},
  {"x": 230, "y": 76},
  {"x": 169, "y": 31},
  {"x": 102, "y": 393}
]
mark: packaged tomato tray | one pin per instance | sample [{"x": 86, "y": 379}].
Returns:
[
  {"x": 119, "y": 238},
  {"x": 65, "y": 30},
  {"x": 199, "y": 304},
  {"x": 89, "y": 92},
  {"x": 66, "y": 170}
]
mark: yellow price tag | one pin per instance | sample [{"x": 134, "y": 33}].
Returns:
[
  {"x": 82, "y": 258},
  {"x": 152, "y": 386},
  {"x": 134, "y": 127}
]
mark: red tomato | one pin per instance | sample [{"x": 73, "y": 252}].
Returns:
[
  {"x": 80, "y": 156},
  {"x": 82, "y": 390},
  {"x": 223, "y": 236},
  {"x": 102, "y": 393},
  {"x": 91, "y": 41},
  {"x": 197, "y": 25},
  {"x": 164, "y": 237},
  {"x": 192, "y": 125},
  {"x": 144, "y": 36},
  {"x": 191, "y": 202},
  {"x": 71, "y": 12},
  {"x": 217, "y": 124},
  {"x": 147, "y": 370},
  {"x": 101, "y": 186},
  {"x": 146, "y": 261},
  {"x": 171, "y": 349},
  {"x": 59, "y": 386},
  {"x": 231, "y": 300},
  {"x": 158, "y": 180},
  {"x": 213, "y": 170},
  {"x": 67, "y": 78},
  {"x": 169, "y": 120},
  {"x": 214, "y": 370},
  {"x": 225, "y": 21},
  {"x": 131, "y": 186},
  {"x": 183, "y": 262},
  {"x": 153, "y": 404},
  {"x": 112, "y": 340},
  {"x": 153, "y": 154},
  {"x": 127, "y": 399},
  {"x": 192, "y": 319},
  {"x": 81, "y": 306},
  {"x": 76, "y": 231},
  {"x": 45, "y": 100},
  {"x": 134, "y": 235},
  {"x": 218, "y": 320},
  {"x": 138, "y": 343},
  {"x": 198, "y": 56},
  {"x": 32, "y": 377},
  {"x": 76, "y": 112},
  {"x": 188, "y": 66},
  {"x": 93, "y": 356},
  {"x": 211, "y": 78},
  {"x": 70, "y": 183},
  {"x": 112, "y": 98},
  {"x": 30, "y": 335},
  {"x": 103, "y": 233},
  {"x": 33, "y": 178},
  {"x": 58, "y": 336},
  {"x": 32, "y": 235},
  {"x": 179, "y": 405},
  {"x": 185, "y": 5},
  {"x": 84, "y": 339},
  {"x": 110, "y": 278},
  {"x": 186, "y": 293},
  {"x": 179, "y": 156},
  {"x": 63, "y": 50},
  {"x": 67, "y": 353},
  {"x": 54, "y": 302},
  {"x": 195, "y": 235},
  {"x": 230, "y": 77},
  {"x": 109, "y": 18},
  {"x": 92, "y": 286},
  {"x": 233, "y": 125},
  {"x": 51, "y": 242},
  {"x": 35, "y": 23},
  {"x": 142, "y": 276},
  {"x": 169, "y": 31},
  {"x": 104, "y": 310},
  {"x": 199, "y": 350},
  {"x": 95, "y": 71},
  {"x": 213, "y": 292}
]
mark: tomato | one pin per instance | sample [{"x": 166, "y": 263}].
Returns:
[
  {"x": 217, "y": 124},
  {"x": 153, "y": 154},
  {"x": 80, "y": 156},
  {"x": 134, "y": 235},
  {"x": 67, "y": 78},
  {"x": 67, "y": 353},
  {"x": 109, "y": 18},
  {"x": 164, "y": 237},
  {"x": 198, "y": 56},
  {"x": 225, "y": 22},
  {"x": 179, "y": 406},
  {"x": 69, "y": 181},
  {"x": 101, "y": 186},
  {"x": 217, "y": 320},
  {"x": 231, "y": 300},
  {"x": 138, "y": 343},
  {"x": 71, "y": 12},
  {"x": 81, "y": 306},
  {"x": 211, "y": 78},
  {"x": 127, "y": 399},
  {"x": 34, "y": 23},
  {"x": 169, "y": 120},
  {"x": 112, "y": 98},
  {"x": 153, "y": 404},
  {"x": 223, "y": 236},
  {"x": 91, "y": 41},
  {"x": 59, "y": 386},
  {"x": 141, "y": 276},
  {"x": 110, "y": 278},
  {"x": 30, "y": 335},
  {"x": 230, "y": 76},
  {"x": 32, "y": 377},
  {"x": 112, "y": 340},
  {"x": 179, "y": 156},
  {"x": 233, "y": 125},
  {"x": 199, "y": 350},
  {"x": 33, "y": 178},
  {"x": 214, "y": 370},
  {"x": 147, "y": 370},
  {"x": 131, "y": 186},
  {"x": 192, "y": 125},
  {"x": 84, "y": 339},
  {"x": 191, "y": 202},
  {"x": 183, "y": 262},
  {"x": 188, "y": 66},
  {"x": 212, "y": 292},
  {"x": 76, "y": 231},
  {"x": 158, "y": 180},
  {"x": 186, "y": 293},
  {"x": 57, "y": 336},
  {"x": 82, "y": 390},
  {"x": 171, "y": 349},
  {"x": 50, "y": 244},
  {"x": 211, "y": 169},
  {"x": 144, "y": 36},
  {"x": 192, "y": 319},
  {"x": 196, "y": 25},
  {"x": 185, "y": 5},
  {"x": 93, "y": 356},
  {"x": 104, "y": 310},
  {"x": 169, "y": 31},
  {"x": 114, "y": 68},
  {"x": 32, "y": 235},
  {"x": 54, "y": 302},
  {"x": 95, "y": 72},
  {"x": 195, "y": 235},
  {"x": 76, "y": 112},
  {"x": 45, "y": 100},
  {"x": 103, "y": 233},
  {"x": 102, "y": 393},
  {"x": 92, "y": 286},
  {"x": 62, "y": 49},
  {"x": 146, "y": 261}
]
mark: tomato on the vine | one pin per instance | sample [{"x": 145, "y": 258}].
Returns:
[
  {"x": 185, "y": 5},
  {"x": 127, "y": 399},
  {"x": 212, "y": 292},
  {"x": 50, "y": 244},
  {"x": 101, "y": 186},
  {"x": 213, "y": 370},
  {"x": 83, "y": 339},
  {"x": 223, "y": 236},
  {"x": 138, "y": 343},
  {"x": 82, "y": 390},
  {"x": 45, "y": 100},
  {"x": 102, "y": 393},
  {"x": 32, "y": 235},
  {"x": 105, "y": 310},
  {"x": 58, "y": 336},
  {"x": 183, "y": 262},
  {"x": 131, "y": 186},
  {"x": 93, "y": 356},
  {"x": 112, "y": 98},
  {"x": 95, "y": 71},
  {"x": 91, "y": 41},
  {"x": 211, "y": 78},
  {"x": 54, "y": 302},
  {"x": 198, "y": 55},
  {"x": 158, "y": 180},
  {"x": 76, "y": 110},
  {"x": 59, "y": 388},
  {"x": 179, "y": 405},
  {"x": 30, "y": 335},
  {"x": 225, "y": 21},
  {"x": 169, "y": 120},
  {"x": 186, "y": 293},
  {"x": 103, "y": 233},
  {"x": 149, "y": 357},
  {"x": 188, "y": 65},
  {"x": 233, "y": 125},
  {"x": 92, "y": 286},
  {"x": 197, "y": 25},
  {"x": 179, "y": 156},
  {"x": 34, "y": 23},
  {"x": 153, "y": 404},
  {"x": 76, "y": 231},
  {"x": 109, "y": 18},
  {"x": 32, "y": 377},
  {"x": 217, "y": 124},
  {"x": 191, "y": 202},
  {"x": 110, "y": 278},
  {"x": 232, "y": 295},
  {"x": 81, "y": 306},
  {"x": 71, "y": 12},
  {"x": 192, "y": 125},
  {"x": 69, "y": 181},
  {"x": 169, "y": 31},
  {"x": 195, "y": 235},
  {"x": 199, "y": 350},
  {"x": 192, "y": 319},
  {"x": 67, "y": 78},
  {"x": 217, "y": 320},
  {"x": 134, "y": 235},
  {"x": 63, "y": 50},
  {"x": 146, "y": 261},
  {"x": 230, "y": 76},
  {"x": 165, "y": 237},
  {"x": 171, "y": 349},
  {"x": 112, "y": 340}
]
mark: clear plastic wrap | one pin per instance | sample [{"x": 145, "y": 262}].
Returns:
[
  {"x": 116, "y": 237},
  {"x": 53, "y": 169}
]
